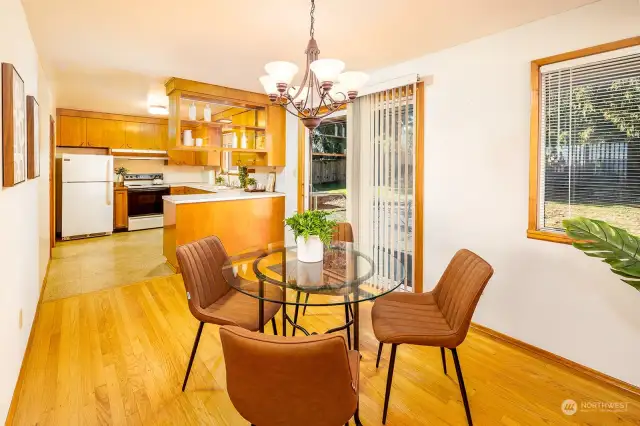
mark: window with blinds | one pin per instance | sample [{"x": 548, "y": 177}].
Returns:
[{"x": 590, "y": 140}]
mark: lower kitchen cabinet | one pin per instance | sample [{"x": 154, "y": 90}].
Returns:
[{"x": 120, "y": 208}]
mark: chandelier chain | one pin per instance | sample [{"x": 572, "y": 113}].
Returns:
[{"x": 313, "y": 19}]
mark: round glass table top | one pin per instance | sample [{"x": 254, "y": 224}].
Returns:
[{"x": 345, "y": 275}]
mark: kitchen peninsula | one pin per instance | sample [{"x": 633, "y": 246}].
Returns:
[{"x": 241, "y": 220}]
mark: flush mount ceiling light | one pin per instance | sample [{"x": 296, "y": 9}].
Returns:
[
  {"x": 224, "y": 120},
  {"x": 158, "y": 110},
  {"x": 324, "y": 88}
]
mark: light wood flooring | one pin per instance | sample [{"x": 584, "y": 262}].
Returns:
[
  {"x": 118, "y": 356},
  {"x": 86, "y": 265}
]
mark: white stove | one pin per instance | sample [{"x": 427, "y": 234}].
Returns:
[{"x": 144, "y": 197}]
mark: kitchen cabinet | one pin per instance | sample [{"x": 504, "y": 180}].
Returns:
[
  {"x": 120, "y": 208},
  {"x": 105, "y": 133},
  {"x": 177, "y": 190},
  {"x": 72, "y": 131},
  {"x": 276, "y": 140}
]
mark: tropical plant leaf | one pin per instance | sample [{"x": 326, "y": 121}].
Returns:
[
  {"x": 615, "y": 246},
  {"x": 312, "y": 222}
]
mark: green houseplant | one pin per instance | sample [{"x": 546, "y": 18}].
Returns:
[
  {"x": 312, "y": 231},
  {"x": 615, "y": 246},
  {"x": 120, "y": 172},
  {"x": 243, "y": 175},
  {"x": 251, "y": 183}
]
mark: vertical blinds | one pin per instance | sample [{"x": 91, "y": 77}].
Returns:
[{"x": 590, "y": 141}]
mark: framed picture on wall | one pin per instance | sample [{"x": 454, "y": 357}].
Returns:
[
  {"x": 14, "y": 127},
  {"x": 33, "y": 138}
]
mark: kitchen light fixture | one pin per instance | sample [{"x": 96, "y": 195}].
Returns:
[
  {"x": 158, "y": 110},
  {"x": 324, "y": 88},
  {"x": 224, "y": 120}
]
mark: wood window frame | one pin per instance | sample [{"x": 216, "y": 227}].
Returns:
[{"x": 534, "y": 147}]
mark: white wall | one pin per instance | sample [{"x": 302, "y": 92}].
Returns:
[
  {"x": 476, "y": 192},
  {"x": 172, "y": 174},
  {"x": 24, "y": 211}
]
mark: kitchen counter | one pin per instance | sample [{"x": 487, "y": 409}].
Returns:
[
  {"x": 241, "y": 220},
  {"x": 221, "y": 195}
]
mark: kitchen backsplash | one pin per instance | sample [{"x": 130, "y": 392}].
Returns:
[{"x": 172, "y": 174}]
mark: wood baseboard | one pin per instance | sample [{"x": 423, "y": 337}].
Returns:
[
  {"x": 579, "y": 368},
  {"x": 20, "y": 381}
]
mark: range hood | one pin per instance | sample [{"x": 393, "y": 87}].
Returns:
[{"x": 140, "y": 154}]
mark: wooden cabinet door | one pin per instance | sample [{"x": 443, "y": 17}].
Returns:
[
  {"x": 162, "y": 131},
  {"x": 73, "y": 131},
  {"x": 275, "y": 136},
  {"x": 105, "y": 133},
  {"x": 134, "y": 135},
  {"x": 120, "y": 209}
]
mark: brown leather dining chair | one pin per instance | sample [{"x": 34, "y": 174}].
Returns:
[
  {"x": 284, "y": 381},
  {"x": 211, "y": 299},
  {"x": 438, "y": 318}
]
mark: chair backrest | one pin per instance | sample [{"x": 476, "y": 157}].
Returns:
[
  {"x": 201, "y": 263},
  {"x": 343, "y": 232},
  {"x": 459, "y": 289},
  {"x": 275, "y": 380}
]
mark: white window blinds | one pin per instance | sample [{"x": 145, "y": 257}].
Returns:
[{"x": 590, "y": 141}]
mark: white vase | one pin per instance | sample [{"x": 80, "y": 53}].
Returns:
[
  {"x": 192, "y": 111},
  {"x": 311, "y": 250},
  {"x": 207, "y": 113},
  {"x": 309, "y": 274}
]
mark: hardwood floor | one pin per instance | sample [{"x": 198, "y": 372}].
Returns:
[
  {"x": 118, "y": 356},
  {"x": 87, "y": 265}
]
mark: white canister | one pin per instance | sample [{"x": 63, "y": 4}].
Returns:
[
  {"x": 198, "y": 141},
  {"x": 234, "y": 143},
  {"x": 243, "y": 141},
  {"x": 192, "y": 111},
  {"x": 187, "y": 138},
  {"x": 207, "y": 113},
  {"x": 311, "y": 250}
]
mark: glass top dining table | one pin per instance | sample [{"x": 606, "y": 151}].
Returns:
[{"x": 346, "y": 276}]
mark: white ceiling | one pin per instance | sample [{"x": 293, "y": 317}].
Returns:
[{"x": 111, "y": 55}]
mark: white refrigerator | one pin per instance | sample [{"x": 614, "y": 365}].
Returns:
[{"x": 87, "y": 195}]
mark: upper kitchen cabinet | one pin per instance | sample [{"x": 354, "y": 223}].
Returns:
[
  {"x": 101, "y": 130},
  {"x": 227, "y": 120},
  {"x": 105, "y": 133},
  {"x": 72, "y": 131}
]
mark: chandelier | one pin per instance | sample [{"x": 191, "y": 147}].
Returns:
[{"x": 324, "y": 88}]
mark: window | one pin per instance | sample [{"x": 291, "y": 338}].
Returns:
[{"x": 586, "y": 139}]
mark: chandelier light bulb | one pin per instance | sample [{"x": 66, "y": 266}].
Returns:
[
  {"x": 353, "y": 81},
  {"x": 327, "y": 71},
  {"x": 282, "y": 73},
  {"x": 269, "y": 85}
]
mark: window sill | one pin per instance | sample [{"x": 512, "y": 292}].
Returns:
[{"x": 549, "y": 236}]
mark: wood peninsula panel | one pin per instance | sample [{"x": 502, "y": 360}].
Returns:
[{"x": 240, "y": 224}]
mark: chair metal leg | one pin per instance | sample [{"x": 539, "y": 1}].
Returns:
[
  {"x": 306, "y": 300},
  {"x": 463, "y": 391},
  {"x": 444, "y": 360},
  {"x": 346, "y": 320},
  {"x": 295, "y": 315},
  {"x": 387, "y": 393},
  {"x": 274, "y": 326},
  {"x": 379, "y": 354},
  {"x": 356, "y": 416},
  {"x": 193, "y": 355}
]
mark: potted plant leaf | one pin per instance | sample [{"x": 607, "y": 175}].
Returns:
[
  {"x": 615, "y": 246},
  {"x": 312, "y": 231},
  {"x": 251, "y": 184},
  {"x": 120, "y": 172}
]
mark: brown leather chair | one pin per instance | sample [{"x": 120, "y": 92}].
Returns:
[
  {"x": 284, "y": 381},
  {"x": 438, "y": 318},
  {"x": 211, "y": 298}
]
